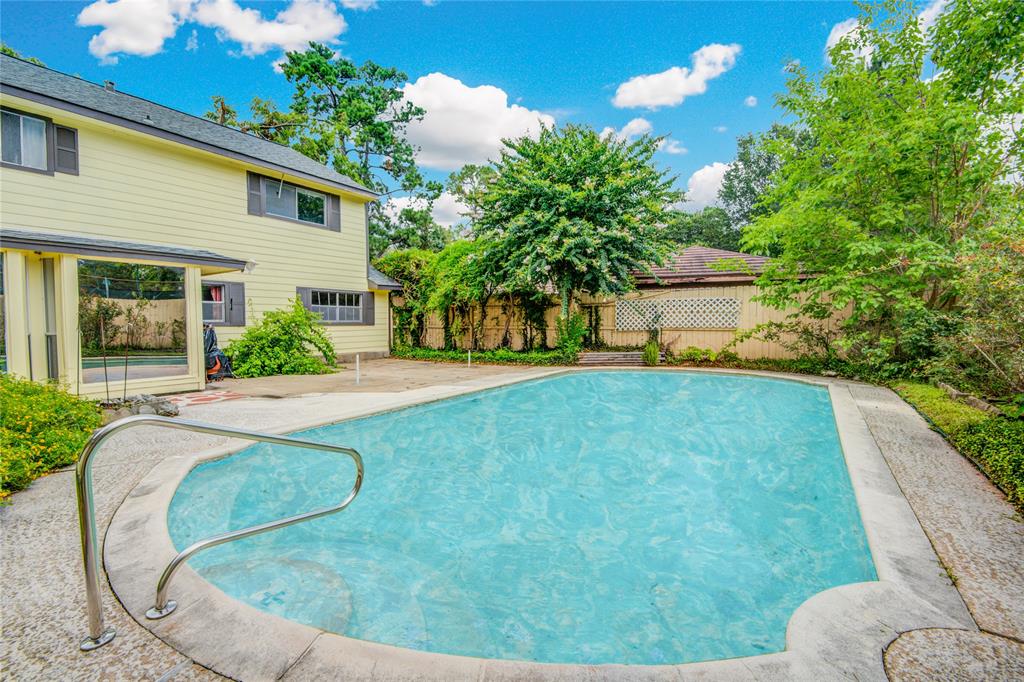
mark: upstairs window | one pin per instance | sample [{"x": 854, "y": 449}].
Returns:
[
  {"x": 288, "y": 201},
  {"x": 24, "y": 141},
  {"x": 278, "y": 199},
  {"x": 36, "y": 144}
]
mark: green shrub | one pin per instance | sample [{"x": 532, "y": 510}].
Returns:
[
  {"x": 42, "y": 428},
  {"x": 652, "y": 353},
  {"x": 284, "y": 342},
  {"x": 569, "y": 335},
  {"x": 995, "y": 443},
  {"x": 500, "y": 356}
]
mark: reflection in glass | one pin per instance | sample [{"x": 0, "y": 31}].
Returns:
[{"x": 132, "y": 321}]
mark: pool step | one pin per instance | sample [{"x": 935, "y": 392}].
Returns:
[{"x": 616, "y": 358}]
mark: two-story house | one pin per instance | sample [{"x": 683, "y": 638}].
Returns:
[{"x": 126, "y": 226}]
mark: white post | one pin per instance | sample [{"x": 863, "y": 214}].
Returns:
[
  {"x": 357, "y": 369},
  {"x": 469, "y": 358}
]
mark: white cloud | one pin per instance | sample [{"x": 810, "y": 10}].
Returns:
[
  {"x": 750, "y": 101},
  {"x": 193, "y": 42},
  {"x": 140, "y": 27},
  {"x": 702, "y": 187},
  {"x": 447, "y": 209},
  {"x": 291, "y": 29},
  {"x": 633, "y": 129},
  {"x": 132, "y": 26},
  {"x": 719, "y": 129},
  {"x": 465, "y": 124},
  {"x": 848, "y": 29},
  {"x": 930, "y": 14},
  {"x": 672, "y": 86},
  {"x": 670, "y": 146}
]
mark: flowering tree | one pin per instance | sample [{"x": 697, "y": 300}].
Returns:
[{"x": 575, "y": 211}]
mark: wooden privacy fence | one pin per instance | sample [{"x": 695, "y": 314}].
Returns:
[{"x": 702, "y": 316}]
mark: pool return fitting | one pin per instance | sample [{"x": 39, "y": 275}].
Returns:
[{"x": 98, "y": 635}]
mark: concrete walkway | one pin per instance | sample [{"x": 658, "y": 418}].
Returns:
[{"x": 972, "y": 527}]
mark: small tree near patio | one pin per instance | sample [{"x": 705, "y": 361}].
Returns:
[{"x": 575, "y": 211}]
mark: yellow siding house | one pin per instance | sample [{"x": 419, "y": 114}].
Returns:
[{"x": 127, "y": 227}]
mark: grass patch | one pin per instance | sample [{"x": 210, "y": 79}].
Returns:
[
  {"x": 994, "y": 443},
  {"x": 42, "y": 428},
  {"x": 500, "y": 356}
]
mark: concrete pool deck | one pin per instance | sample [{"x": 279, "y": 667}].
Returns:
[{"x": 969, "y": 523}]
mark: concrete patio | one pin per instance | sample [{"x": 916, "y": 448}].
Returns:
[{"x": 974, "y": 531}]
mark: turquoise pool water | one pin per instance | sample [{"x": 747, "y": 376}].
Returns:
[{"x": 618, "y": 516}]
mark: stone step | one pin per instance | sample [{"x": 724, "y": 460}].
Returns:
[{"x": 618, "y": 358}]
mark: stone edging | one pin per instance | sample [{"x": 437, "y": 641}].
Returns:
[{"x": 840, "y": 632}]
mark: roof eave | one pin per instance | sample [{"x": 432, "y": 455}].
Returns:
[{"x": 71, "y": 107}]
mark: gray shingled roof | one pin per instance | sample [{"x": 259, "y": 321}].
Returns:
[
  {"x": 140, "y": 114},
  {"x": 60, "y": 242},
  {"x": 382, "y": 281},
  {"x": 695, "y": 264}
]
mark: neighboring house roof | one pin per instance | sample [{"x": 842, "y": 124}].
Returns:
[
  {"x": 693, "y": 264},
  {"x": 381, "y": 281},
  {"x": 112, "y": 248},
  {"x": 46, "y": 86}
]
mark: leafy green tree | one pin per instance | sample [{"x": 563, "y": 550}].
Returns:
[
  {"x": 575, "y": 211},
  {"x": 413, "y": 228},
  {"x": 11, "y": 52},
  {"x": 463, "y": 277},
  {"x": 709, "y": 227},
  {"x": 410, "y": 267},
  {"x": 750, "y": 176},
  {"x": 468, "y": 185},
  {"x": 899, "y": 176}
]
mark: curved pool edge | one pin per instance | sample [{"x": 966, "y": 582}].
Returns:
[{"x": 839, "y": 631}]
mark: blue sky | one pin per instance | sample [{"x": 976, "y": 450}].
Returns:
[{"x": 689, "y": 70}]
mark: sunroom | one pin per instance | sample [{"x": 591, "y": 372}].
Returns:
[{"x": 104, "y": 318}]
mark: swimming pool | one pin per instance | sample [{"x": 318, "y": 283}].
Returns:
[{"x": 592, "y": 517}]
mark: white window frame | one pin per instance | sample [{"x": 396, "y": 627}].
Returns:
[
  {"x": 298, "y": 190},
  {"x": 339, "y": 307},
  {"x": 21, "y": 141},
  {"x": 223, "y": 304}
]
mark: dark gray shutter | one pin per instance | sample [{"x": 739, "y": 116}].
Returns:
[
  {"x": 334, "y": 212},
  {"x": 367, "y": 307},
  {"x": 304, "y": 295},
  {"x": 66, "y": 144},
  {"x": 234, "y": 294},
  {"x": 255, "y": 184}
]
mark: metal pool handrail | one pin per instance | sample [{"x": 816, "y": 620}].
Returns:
[{"x": 98, "y": 636}]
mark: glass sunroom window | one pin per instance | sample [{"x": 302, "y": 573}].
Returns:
[
  {"x": 23, "y": 140},
  {"x": 289, "y": 201}
]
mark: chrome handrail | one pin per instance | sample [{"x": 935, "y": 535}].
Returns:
[{"x": 98, "y": 636}]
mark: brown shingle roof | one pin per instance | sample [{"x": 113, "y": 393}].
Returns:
[{"x": 693, "y": 265}]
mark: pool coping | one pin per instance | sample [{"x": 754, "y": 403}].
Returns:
[{"x": 839, "y": 632}]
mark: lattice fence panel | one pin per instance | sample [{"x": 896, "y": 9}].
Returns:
[{"x": 677, "y": 313}]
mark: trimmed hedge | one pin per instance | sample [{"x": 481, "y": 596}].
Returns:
[
  {"x": 500, "y": 356},
  {"x": 42, "y": 428},
  {"x": 995, "y": 443}
]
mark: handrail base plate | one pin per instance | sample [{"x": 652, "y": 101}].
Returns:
[
  {"x": 155, "y": 613},
  {"x": 88, "y": 644}
]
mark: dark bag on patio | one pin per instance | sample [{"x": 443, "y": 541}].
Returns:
[{"x": 218, "y": 366}]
